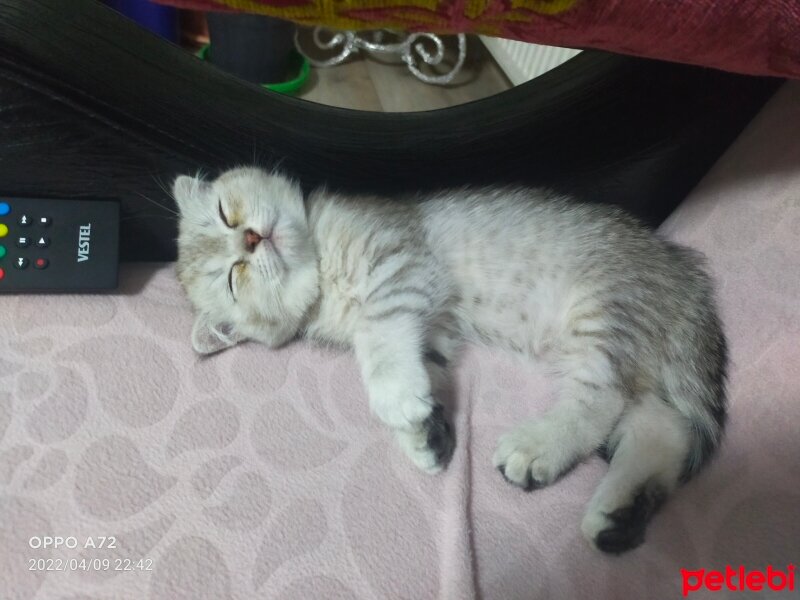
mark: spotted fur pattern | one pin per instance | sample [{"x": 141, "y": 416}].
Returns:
[{"x": 625, "y": 320}]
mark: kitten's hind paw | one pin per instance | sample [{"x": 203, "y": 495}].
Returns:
[
  {"x": 430, "y": 447},
  {"x": 532, "y": 456},
  {"x": 622, "y": 528}
]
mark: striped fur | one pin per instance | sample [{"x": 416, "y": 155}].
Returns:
[{"x": 626, "y": 320}]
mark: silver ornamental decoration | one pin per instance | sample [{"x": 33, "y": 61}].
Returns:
[{"x": 409, "y": 48}]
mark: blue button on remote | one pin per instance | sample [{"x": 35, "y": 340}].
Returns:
[{"x": 4, "y": 209}]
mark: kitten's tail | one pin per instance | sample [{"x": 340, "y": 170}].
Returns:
[
  {"x": 694, "y": 372},
  {"x": 694, "y": 382}
]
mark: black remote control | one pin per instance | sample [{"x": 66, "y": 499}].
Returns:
[{"x": 49, "y": 245}]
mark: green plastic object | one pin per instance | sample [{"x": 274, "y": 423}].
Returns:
[{"x": 298, "y": 62}]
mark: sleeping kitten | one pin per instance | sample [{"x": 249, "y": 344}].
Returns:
[{"x": 626, "y": 320}]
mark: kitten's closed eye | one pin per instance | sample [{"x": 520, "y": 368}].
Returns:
[
  {"x": 223, "y": 217},
  {"x": 230, "y": 282},
  {"x": 240, "y": 265}
]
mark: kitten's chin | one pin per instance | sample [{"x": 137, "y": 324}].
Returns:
[
  {"x": 274, "y": 337},
  {"x": 283, "y": 316}
]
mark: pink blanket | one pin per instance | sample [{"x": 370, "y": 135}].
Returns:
[{"x": 261, "y": 474}]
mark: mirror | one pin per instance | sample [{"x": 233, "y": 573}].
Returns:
[{"x": 365, "y": 70}]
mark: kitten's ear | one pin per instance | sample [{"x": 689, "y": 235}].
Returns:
[
  {"x": 186, "y": 189},
  {"x": 209, "y": 337}
]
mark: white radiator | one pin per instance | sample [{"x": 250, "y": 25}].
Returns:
[{"x": 521, "y": 61}]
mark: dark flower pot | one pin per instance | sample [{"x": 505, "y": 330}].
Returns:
[{"x": 252, "y": 47}]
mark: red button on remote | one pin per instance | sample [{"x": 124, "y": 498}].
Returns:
[
  {"x": 2, "y": 273},
  {"x": 41, "y": 263}
]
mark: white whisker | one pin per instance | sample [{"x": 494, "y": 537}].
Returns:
[
  {"x": 162, "y": 186},
  {"x": 164, "y": 206}
]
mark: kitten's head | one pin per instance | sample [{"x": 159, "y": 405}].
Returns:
[{"x": 246, "y": 257}]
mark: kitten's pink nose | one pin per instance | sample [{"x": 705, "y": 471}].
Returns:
[{"x": 251, "y": 240}]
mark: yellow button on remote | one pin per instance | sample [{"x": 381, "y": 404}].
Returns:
[{"x": 3, "y": 230}]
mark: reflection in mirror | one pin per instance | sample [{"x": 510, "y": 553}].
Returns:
[
  {"x": 381, "y": 81},
  {"x": 339, "y": 68}
]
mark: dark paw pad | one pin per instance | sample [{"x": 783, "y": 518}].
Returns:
[
  {"x": 529, "y": 485},
  {"x": 436, "y": 358},
  {"x": 440, "y": 435},
  {"x": 629, "y": 523},
  {"x": 620, "y": 538}
]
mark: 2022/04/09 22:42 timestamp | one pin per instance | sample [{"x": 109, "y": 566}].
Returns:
[{"x": 90, "y": 564}]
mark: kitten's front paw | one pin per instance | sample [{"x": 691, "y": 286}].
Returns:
[
  {"x": 531, "y": 456},
  {"x": 400, "y": 409},
  {"x": 431, "y": 446}
]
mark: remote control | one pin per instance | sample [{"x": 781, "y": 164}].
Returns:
[{"x": 49, "y": 245}]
